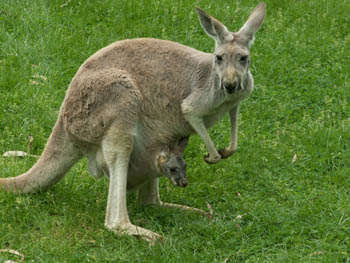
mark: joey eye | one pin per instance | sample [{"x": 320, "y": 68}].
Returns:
[
  {"x": 243, "y": 59},
  {"x": 219, "y": 58}
]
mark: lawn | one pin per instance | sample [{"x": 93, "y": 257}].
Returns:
[{"x": 283, "y": 197}]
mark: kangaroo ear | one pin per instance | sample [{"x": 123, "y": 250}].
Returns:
[
  {"x": 255, "y": 20},
  {"x": 213, "y": 27}
]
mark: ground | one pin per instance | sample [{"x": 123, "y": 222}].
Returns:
[{"x": 283, "y": 197}]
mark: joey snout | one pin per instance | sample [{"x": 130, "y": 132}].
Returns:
[
  {"x": 177, "y": 175},
  {"x": 179, "y": 179}
]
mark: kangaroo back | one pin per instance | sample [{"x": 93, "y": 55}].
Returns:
[{"x": 58, "y": 157}]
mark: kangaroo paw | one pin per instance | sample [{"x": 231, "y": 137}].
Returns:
[
  {"x": 212, "y": 160},
  {"x": 225, "y": 153}
]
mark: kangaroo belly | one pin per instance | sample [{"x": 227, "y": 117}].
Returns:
[
  {"x": 97, "y": 166},
  {"x": 137, "y": 174}
]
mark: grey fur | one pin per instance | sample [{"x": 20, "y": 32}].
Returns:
[{"x": 134, "y": 97}]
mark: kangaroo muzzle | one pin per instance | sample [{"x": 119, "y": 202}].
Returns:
[
  {"x": 233, "y": 86},
  {"x": 231, "y": 81}
]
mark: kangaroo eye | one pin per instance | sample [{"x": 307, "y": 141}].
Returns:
[
  {"x": 243, "y": 59},
  {"x": 219, "y": 58}
]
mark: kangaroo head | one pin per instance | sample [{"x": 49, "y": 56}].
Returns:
[
  {"x": 172, "y": 165},
  {"x": 231, "y": 57}
]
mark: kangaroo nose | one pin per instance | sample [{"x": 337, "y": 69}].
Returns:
[{"x": 231, "y": 87}]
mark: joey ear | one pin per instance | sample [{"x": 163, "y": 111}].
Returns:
[
  {"x": 163, "y": 155},
  {"x": 162, "y": 158},
  {"x": 255, "y": 20},
  {"x": 213, "y": 27}
]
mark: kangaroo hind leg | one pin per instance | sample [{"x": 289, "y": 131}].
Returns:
[{"x": 117, "y": 148}]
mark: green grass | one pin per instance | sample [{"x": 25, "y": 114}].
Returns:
[{"x": 267, "y": 208}]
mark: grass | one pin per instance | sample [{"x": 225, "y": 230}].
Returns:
[{"x": 268, "y": 208}]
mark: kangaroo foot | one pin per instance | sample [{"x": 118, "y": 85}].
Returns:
[{"x": 132, "y": 230}]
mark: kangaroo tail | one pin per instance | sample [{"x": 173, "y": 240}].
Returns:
[{"x": 59, "y": 155}]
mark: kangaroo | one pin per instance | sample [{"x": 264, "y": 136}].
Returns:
[{"x": 135, "y": 96}]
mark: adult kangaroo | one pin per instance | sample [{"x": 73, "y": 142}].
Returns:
[{"x": 138, "y": 95}]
